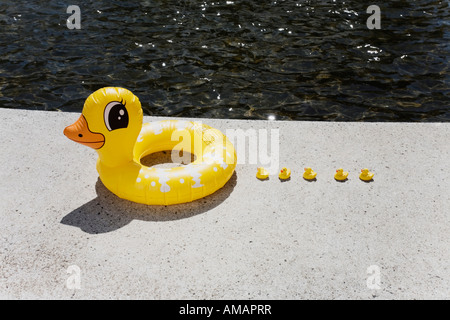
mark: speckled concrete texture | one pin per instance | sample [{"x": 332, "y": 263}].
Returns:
[{"x": 250, "y": 240}]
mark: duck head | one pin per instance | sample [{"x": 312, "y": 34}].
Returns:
[
  {"x": 109, "y": 123},
  {"x": 308, "y": 170},
  {"x": 365, "y": 171},
  {"x": 340, "y": 171}
]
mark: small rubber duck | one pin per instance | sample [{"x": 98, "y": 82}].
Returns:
[
  {"x": 366, "y": 175},
  {"x": 309, "y": 174},
  {"x": 285, "y": 174},
  {"x": 262, "y": 174},
  {"x": 341, "y": 175}
]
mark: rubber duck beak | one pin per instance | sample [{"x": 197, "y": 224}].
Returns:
[{"x": 79, "y": 132}]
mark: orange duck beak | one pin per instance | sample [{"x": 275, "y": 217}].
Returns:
[{"x": 79, "y": 132}]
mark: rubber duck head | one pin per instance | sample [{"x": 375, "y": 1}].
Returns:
[
  {"x": 109, "y": 123},
  {"x": 308, "y": 170},
  {"x": 339, "y": 171},
  {"x": 365, "y": 171}
]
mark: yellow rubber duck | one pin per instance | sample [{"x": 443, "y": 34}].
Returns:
[
  {"x": 309, "y": 174},
  {"x": 366, "y": 175},
  {"x": 285, "y": 174},
  {"x": 262, "y": 174},
  {"x": 341, "y": 175}
]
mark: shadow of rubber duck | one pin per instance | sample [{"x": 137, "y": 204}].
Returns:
[{"x": 107, "y": 212}]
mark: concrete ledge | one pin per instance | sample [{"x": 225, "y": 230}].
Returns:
[{"x": 250, "y": 240}]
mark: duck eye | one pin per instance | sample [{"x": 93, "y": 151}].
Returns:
[{"x": 116, "y": 116}]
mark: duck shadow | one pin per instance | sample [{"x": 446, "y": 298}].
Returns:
[{"x": 107, "y": 212}]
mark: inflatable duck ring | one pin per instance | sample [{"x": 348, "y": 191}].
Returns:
[{"x": 111, "y": 123}]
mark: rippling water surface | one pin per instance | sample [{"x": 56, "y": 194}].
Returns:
[{"x": 251, "y": 59}]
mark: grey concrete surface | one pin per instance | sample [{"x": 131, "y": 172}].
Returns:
[{"x": 251, "y": 239}]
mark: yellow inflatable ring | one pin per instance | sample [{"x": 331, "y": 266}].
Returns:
[{"x": 111, "y": 123}]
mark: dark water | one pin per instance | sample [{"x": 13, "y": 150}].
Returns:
[{"x": 302, "y": 60}]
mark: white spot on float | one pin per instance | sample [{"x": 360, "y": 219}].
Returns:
[
  {"x": 215, "y": 169},
  {"x": 181, "y": 180},
  {"x": 141, "y": 171},
  {"x": 146, "y": 176},
  {"x": 140, "y": 139},
  {"x": 163, "y": 178},
  {"x": 138, "y": 180},
  {"x": 153, "y": 183},
  {"x": 215, "y": 159},
  {"x": 207, "y": 155},
  {"x": 221, "y": 163},
  {"x": 165, "y": 188},
  {"x": 156, "y": 127},
  {"x": 193, "y": 171},
  {"x": 181, "y": 124}
]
